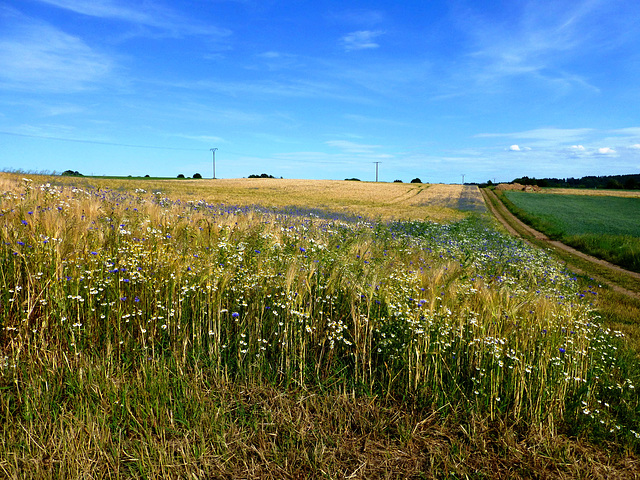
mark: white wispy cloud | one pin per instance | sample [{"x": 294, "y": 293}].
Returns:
[
  {"x": 361, "y": 40},
  {"x": 200, "y": 138},
  {"x": 311, "y": 157},
  {"x": 276, "y": 60},
  {"x": 538, "y": 41},
  {"x": 278, "y": 87},
  {"x": 518, "y": 148},
  {"x": 360, "y": 17},
  {"x": 38, "y": 56},
  {"x": 105, "y": 9},
  {"x": 580, "y": 151},
  {"x": 140, "y": 13},
  {"x": 544, "y": 136},
  {"x": 606, "y": 151},
  {"x": 46, "y": 108},
  {"x": 352, "y": 147},
  {"x": 629, "y": 131},
  {"x": 367, "y": 119}
]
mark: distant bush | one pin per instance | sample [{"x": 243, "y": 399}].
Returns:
[
  {"x": 397, "y": 181},
  {"x": 71, "y": 173},
  {"x": 146, "y": 176},
  {"x": 197, "y": 175},
  {"x": 352, "y": 179},
  {"x": 264, "y": 175},
  {"x": 180, "y": 176},
  {"x": 416, "y": 180}
]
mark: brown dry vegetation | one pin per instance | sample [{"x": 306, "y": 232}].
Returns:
[{"x": 258, "y": 432}]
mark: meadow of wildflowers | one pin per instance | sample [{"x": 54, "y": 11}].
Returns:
[{"x": 105, "y": 290}]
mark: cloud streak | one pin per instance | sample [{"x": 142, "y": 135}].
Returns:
[
  {"x": 35, "y": 56},
  {"x": 606, "y": 151},
  {"x": 145, "y": 14},
  {"x": 361, "y": 40},
  {"x": 545, "y": 137},
  {"x": 535, "y": 41},
  {"x": 352, "y": 147}
]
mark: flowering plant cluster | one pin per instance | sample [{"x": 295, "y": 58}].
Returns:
[{"x": 457, "y": 315}]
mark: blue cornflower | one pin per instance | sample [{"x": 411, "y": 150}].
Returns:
[
  {"x": 235, "y": 314},
  {"x": 562, "y": 350}
]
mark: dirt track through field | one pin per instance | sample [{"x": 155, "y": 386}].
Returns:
[{"x": 507, "y": 219}]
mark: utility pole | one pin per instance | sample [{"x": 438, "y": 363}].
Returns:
[
  {"x": 213, "y": 151},
  {"x": 377, "y": 170},
  {"x": 463, "y": 179}
]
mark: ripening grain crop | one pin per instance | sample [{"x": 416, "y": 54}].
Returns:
[{"x": 110, "y": 298}]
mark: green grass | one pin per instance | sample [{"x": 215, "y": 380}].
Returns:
[
  {"x": 605, "y": 227},
  {"x": 146, "y": 336}
]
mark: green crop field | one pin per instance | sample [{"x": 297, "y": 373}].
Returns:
[
  {"x": 604, "y": 226},
  {"x": 580, "y": 214},
  {"x": 148, "y": 335}
]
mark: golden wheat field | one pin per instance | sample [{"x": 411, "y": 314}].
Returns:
[{"x": 385, "y": 201}]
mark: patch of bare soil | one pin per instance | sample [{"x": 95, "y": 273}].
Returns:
[{"x": 518, "y": 187}]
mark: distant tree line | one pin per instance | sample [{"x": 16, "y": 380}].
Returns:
[
  {"x": 263, "y": 175},
  {"x": 415, "y": 180},
  {"x": 181, "y": 175},
  {"x": 626, "y": 182}
]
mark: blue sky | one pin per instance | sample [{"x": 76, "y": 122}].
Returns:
[{"x": 321, "y": 90}]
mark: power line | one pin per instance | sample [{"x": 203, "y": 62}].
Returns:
[
  {"x": 155, "y": 147},
  {"x": 96, "y": 142}
]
